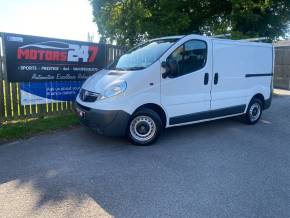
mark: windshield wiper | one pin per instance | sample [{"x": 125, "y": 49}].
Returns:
[{"x": 121, "y": 69}]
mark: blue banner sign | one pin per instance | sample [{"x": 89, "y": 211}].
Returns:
[{"x": 49, "y": 92}]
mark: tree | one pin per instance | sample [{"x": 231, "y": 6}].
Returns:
[
  {"x": 255, "y": 18},
  {"x": 120, "y": 21},
  {"x": 129, "y": 22}
]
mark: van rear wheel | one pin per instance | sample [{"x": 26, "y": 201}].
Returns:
[
  {"x": 254, "y": 112},
  {"x": 145, "y": 127}
]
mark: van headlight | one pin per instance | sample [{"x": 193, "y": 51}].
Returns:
[{"x": 114, "y": 89}]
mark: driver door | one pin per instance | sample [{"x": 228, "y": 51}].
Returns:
[{"x": 186, "y": 95}]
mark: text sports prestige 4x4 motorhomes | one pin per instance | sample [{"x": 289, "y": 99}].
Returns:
[{"x": 175, "y": 81}]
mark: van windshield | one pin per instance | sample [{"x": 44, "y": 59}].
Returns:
[{"x": 142, "y": 56}]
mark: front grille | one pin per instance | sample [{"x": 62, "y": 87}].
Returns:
[{"x": 88, "y": 96}]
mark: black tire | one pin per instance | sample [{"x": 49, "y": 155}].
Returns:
[
  {"x": 254, "y": 112},
  {"x": 142, "y": 123}
]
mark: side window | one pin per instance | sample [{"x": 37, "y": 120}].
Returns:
[{"x": 191, "y": 56}]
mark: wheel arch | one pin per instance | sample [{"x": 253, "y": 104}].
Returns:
[
  {"x": 157, "y": 108},
  {"x": 260, "y": 97}
]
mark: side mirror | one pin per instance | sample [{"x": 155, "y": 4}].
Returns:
[
  {"x": 165, "y": 65},
  {"x": 171, "y": 69}
]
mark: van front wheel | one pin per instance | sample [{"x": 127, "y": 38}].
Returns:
[
  {"x": 145, "y": 127},
  {"x": 254, "y": 112}
]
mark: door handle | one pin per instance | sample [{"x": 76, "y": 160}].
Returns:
[
  {"x": 216, "y": 78},
  {"x": 206, "y": 77}
]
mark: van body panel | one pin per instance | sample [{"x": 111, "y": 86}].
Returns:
[
  {"x": 238, "y": 66},
  {"x": 143, "y": 87},
  {"x": 207, "y": 115}
]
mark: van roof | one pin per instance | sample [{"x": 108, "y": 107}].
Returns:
[
  {"x": 242, "y": 42},
  {"x": 170, "y": 37}
]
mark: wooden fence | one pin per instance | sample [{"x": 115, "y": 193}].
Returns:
[
  {"x": 10, "y": 103},
  {"x": 282, "y": 67}
]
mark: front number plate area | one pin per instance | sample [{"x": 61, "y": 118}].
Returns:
[{"x": 80, "y": 113}]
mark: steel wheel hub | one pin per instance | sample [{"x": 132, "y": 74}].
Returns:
[
  {"x": 143, "y": 128},
  {"x": 255, "y": 112}
]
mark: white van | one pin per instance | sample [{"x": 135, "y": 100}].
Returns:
[{"x": 175, "y": 81}]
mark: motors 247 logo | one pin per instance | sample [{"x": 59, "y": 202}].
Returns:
[{"x": 58, "y": 51}]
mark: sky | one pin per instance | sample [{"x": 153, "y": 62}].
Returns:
[{"x": 65, "y": 19}]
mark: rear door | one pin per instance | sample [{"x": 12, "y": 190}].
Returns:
[{"x": 187, "y": 95}]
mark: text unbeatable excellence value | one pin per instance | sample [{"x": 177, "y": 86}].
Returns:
[{"x": 68, "y": 76}]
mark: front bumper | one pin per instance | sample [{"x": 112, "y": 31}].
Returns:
[{"x": 104, "y": 122}]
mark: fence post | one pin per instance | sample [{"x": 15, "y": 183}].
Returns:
[
  {"x": 6, "y": 85},
  {"x": 2, "y": 109},
  {"x": 106, "y": 54}
]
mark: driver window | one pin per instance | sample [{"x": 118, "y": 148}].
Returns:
[
  {"x": 191, "y": 56},
  {"x": 177, "y": 56}
]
